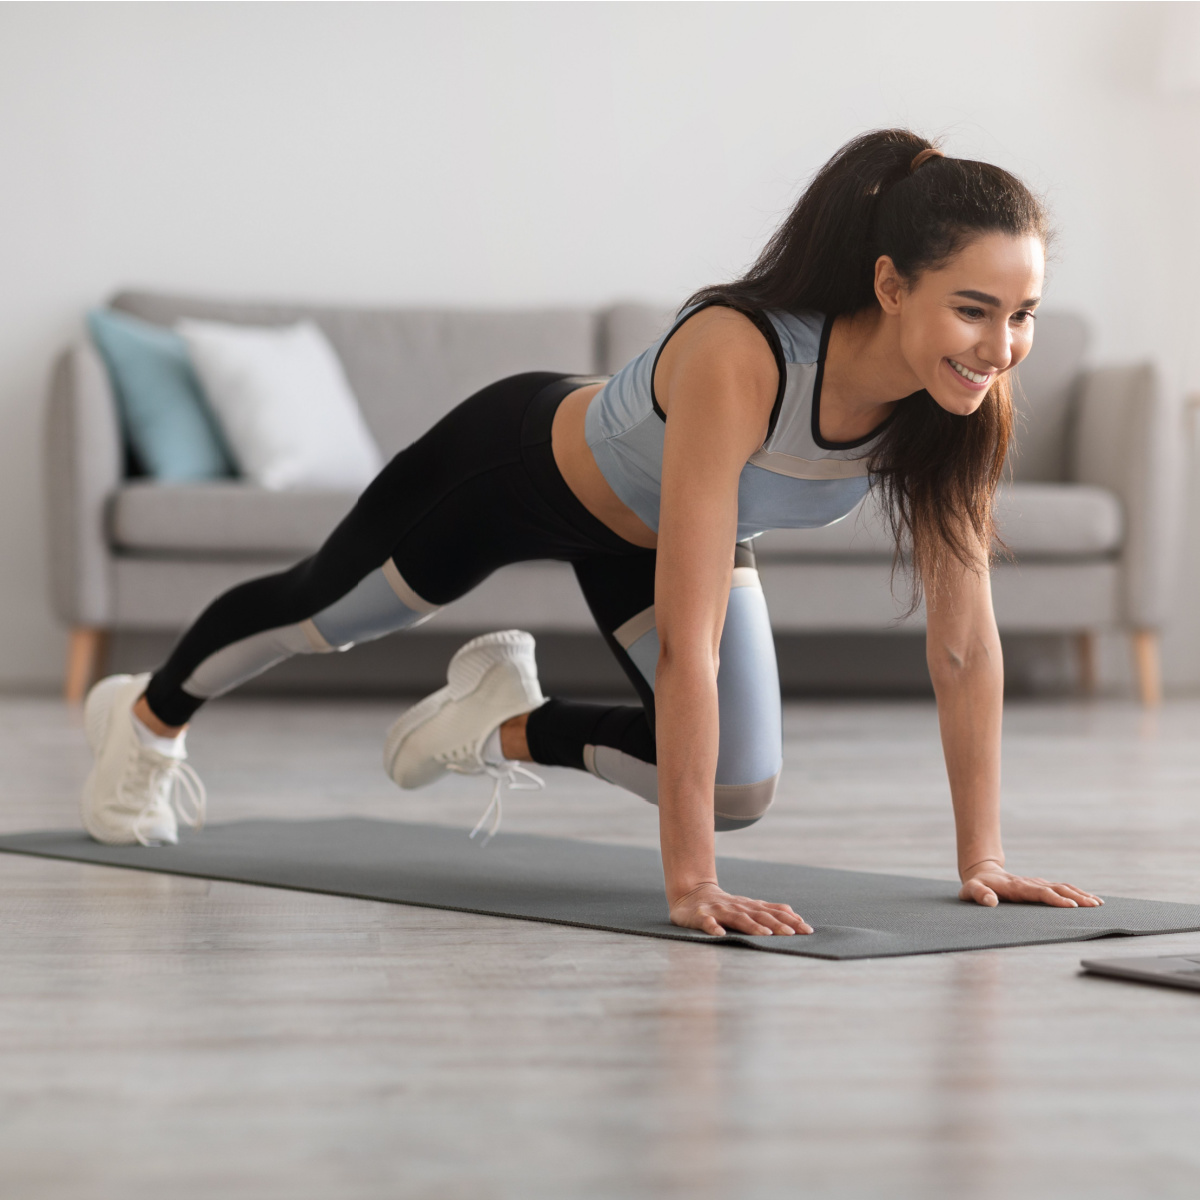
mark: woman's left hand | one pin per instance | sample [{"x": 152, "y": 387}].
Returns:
[{"x": 988, "y": 883}]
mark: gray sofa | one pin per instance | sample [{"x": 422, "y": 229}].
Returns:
[{"x": 1090, "y": 517}]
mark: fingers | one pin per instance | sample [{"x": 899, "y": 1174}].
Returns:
[
  {"x": 744, "y": 923},
  {"x": 979, "y": 892},
  {"x": 1033, "y": 890},
  {"x": 1082, "y": 898},
  {"x": 779, "y": 918},
  {"x": 1070, "y": 897},
  {"x": 789, "y": 916},
  {"x": 739, "y": 914},
  {"x": 781, "y": 923},
  {"x": 754, "y": 919}
]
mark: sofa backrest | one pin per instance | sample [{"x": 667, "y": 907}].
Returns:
[
  {"x": 408, "y": 367},
  {"x": 627, "y": 329}
]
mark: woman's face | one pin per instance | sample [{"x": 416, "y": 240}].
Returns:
[{"x": 967, "y": 322}]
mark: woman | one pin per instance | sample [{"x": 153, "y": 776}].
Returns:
[{"x": 869, "y": 344}]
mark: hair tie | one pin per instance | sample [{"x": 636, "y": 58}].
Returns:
[{"x": 923, "y": 157}]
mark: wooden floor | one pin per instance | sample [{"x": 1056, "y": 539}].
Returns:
[{"x": 166, "y": 1037}]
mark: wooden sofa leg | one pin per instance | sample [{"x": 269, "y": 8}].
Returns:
[
  {"x": 85, "y": 658},
  {"x": 1147, "y": 664},
  {"x": 1085, "y": 655}
]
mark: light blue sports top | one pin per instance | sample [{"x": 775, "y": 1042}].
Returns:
[{"x": 794, "y": 480}]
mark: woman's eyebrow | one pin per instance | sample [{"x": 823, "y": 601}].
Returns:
[{"x": 985, "y": 298}]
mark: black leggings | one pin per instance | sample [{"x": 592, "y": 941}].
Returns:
[{"x": 481, "y": 490}]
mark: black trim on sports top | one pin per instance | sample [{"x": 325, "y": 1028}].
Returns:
[
  {"x": 761, "y": 322},
  {"x": 822, "y": 351}
]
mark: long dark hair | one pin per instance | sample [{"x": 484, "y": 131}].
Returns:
[{"x": 879, "y": 194}]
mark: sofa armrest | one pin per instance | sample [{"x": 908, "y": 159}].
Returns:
[
  {"x": 1127, "y": 437},
  {"x": 83, "y": 468}
]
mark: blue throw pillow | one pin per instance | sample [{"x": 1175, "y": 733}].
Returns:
[{"x": 167, "y": 420}]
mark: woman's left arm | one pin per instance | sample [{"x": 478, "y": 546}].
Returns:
[{"x": 965, "y": 664}]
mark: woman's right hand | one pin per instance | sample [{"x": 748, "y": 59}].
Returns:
[{"x": 711, "y": 910}]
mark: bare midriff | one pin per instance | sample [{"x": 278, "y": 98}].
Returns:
[{"x": 574, "y": 459}]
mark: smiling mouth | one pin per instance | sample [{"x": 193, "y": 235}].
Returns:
[{"x": 970, "y": 376}]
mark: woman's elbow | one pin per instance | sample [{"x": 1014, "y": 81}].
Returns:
[
  {"x": 688, "y": 658},
  {"x": 953, "y": 659}
]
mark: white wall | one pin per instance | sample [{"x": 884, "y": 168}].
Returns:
[{"x": 531, "y": 153}]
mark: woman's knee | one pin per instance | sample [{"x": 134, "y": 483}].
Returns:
[
  {"x": 751, "y": 746},
  {"x": 382, "y": 602},
  {"x": 736, "y": 805}
]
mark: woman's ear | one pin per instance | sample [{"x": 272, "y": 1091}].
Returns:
[{"x": 889, "y": 285}]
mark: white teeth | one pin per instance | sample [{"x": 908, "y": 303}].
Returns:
[{"x": 973, "y": 376}]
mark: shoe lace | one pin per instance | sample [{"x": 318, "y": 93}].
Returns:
[
  {"x": 513, "y": 775},
  {"x": 169, "y": 779}
]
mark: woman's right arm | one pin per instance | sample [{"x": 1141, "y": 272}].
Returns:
[{"x": 716, "y": 380}]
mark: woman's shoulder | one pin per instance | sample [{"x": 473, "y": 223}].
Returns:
[
  {"x": 720, "y": 354},
  {"x": 795, "y": 335},
  {"x": 720, "y": 335}
]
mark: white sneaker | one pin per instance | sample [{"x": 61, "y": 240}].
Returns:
[
  {"x": 490, "y": 680},
  {"x": 134, "y": 791}
]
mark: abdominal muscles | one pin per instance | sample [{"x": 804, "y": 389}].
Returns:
[{"x": 575, "y": 461}]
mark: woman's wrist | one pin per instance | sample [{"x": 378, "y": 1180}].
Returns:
[
  {"x": 980, "y": 864},
  {"x": 678, "y": 890}
]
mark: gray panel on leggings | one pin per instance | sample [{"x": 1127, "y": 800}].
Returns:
[
  {"x": 748, "y": 692},
  {"x": 644, "y": 653},
  {"x": 231, "y": 665},
  {"x": 368, "y": 611},
  {"x": 747, "y": 689},
  {"x": 617, "y": 888}
]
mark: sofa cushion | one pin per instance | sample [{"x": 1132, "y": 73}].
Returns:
[
  {"x": 1036, "y": 521},
  {"x": 166, "y": 419},
  {"x": 282, "y": 398},
  {"x": 221, "y": 519}
]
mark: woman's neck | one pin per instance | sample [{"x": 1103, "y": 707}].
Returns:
[{"x": 865, "y": 376}]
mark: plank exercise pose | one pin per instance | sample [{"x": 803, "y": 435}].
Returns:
[{"x": 869, "y": 346}]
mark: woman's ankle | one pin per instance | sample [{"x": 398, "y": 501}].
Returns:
[
  {"x": 141, "y": 710},
  {"x": 513, "y": 745}
]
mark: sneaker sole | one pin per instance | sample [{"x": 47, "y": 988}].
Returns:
[{"x": 405, "y": 725}]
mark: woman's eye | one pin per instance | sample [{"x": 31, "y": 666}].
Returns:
[
  {"x": 972, "y": 314},
  {"x": 1024, "y": 318}
]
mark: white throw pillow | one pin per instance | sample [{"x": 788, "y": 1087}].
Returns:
[{"x": 284, "y": 404}]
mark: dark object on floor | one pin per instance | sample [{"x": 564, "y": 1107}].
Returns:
[
  {"x": 1172, "y": 970},
  {"x": 599, "y": 886}
]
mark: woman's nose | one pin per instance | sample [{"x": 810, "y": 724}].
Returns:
[{"x": 996, "y": 348}]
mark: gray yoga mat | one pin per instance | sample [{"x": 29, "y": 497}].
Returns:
[{"x": 599, "y": 886}]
